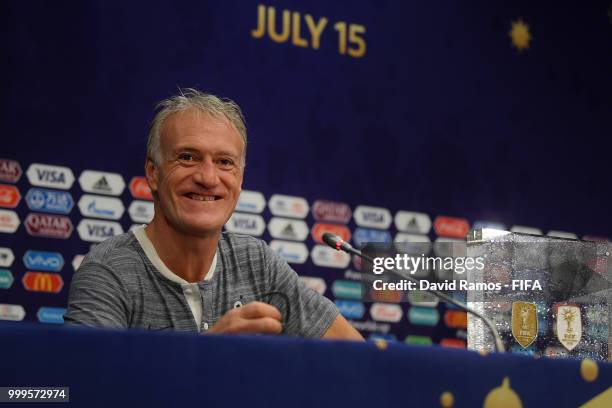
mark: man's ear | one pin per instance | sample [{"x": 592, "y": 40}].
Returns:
[{"x": 151, "y": 174}]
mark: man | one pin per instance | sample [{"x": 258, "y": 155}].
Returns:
[{"x": 181, "y": 271}]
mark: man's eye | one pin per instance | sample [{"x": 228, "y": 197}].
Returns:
[
  {"x": 186, "y": 157},
  {"x": 226, "y": 162}
]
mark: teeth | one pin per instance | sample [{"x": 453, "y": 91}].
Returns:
[{"x": 201, "y": 198}]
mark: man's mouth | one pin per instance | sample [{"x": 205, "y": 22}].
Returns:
[{"x": 199, "y": 197}]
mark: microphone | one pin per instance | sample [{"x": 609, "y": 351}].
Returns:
[{"x": 339, "y": 244}]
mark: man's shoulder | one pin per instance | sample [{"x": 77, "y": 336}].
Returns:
[{"x": 118, "y": 251}]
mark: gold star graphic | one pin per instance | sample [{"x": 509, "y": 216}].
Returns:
[{"x": 520, "y": 35}]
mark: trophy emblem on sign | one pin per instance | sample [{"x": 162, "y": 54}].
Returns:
[
  {"x": 524, "y": 323},
  {"x": 569, "y": 326}
]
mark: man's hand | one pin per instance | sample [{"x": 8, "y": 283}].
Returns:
[{"x": 254, "y": 317}]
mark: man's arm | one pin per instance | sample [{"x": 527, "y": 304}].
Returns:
[
  {"x": 341, "y": 329},
  {"x": 97, "y": 298}
]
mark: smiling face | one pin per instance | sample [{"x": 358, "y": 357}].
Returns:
[{"x": 198, "y": 181}]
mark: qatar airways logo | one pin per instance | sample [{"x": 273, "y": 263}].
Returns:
[
  {"x": 10, "y": 171},
  {"x": 47, "y": 225},
  {"x": 331, "y": 211}
]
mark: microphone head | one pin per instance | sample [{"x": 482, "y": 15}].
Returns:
[{"x": 331, "y": 239}]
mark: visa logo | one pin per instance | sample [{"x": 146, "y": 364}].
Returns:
[
  {"x": 373, "y": 217},
  {"x": 100, "y": 231},
  {"x": 51, "y": 176},
  {"x": 43, "y": 261},
  {"x": 244, "y": 223},
  {"x": 350, "y": 309}
]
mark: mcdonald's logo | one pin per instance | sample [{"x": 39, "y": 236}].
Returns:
[{"x": 43, "y": 282}]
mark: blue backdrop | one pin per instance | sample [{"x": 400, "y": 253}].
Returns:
[{"x": 442, "y": 114}]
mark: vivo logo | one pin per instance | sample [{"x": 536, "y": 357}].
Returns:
[
  {"x": 288, "y": 206},
  {"x": 363, "y": 236},
  {"x": 51, "y": 201},
  {"x": 350, "y": 309},
  {"x": 372, "y": 217},
  {"x": 292, "y": 252},
  {"x": 251, "y": 202},
  {"x": 101, "y": 182},
  {"x": 98, "y": 231},
  {"x": 43, "y": 261},
  {"x": 250, "y": 224},
  {"x": 322, "y": 255},
  {"x": 101, "y": 207},
  {"x": 45, "y": 175},
  {"x": 412, "y": 222},
  {"x": 141, "y": 211},
  {"x": 285, "y": 228},
  {"x": 53, "y": 315}
]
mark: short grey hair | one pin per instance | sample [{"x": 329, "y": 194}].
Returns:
[{"x": 192, "y": 98}]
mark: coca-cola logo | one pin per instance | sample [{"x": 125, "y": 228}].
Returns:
[{"x": 452, "y": 227}]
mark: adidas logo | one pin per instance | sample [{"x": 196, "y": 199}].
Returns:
[
  {"x": 289, "y": 232},
  {"x": 412, "y": 225},
  {"x": 102, "y": 185}
]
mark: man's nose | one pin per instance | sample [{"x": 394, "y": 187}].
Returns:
[{"x": 207, "y": 174}]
